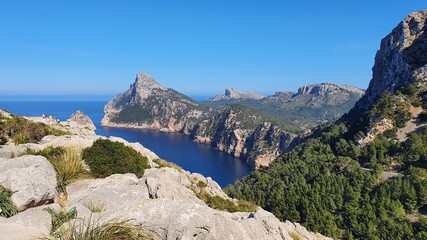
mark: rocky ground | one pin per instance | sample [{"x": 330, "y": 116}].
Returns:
[{"x": 161, "y": 200}]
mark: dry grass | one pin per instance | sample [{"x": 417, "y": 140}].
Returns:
[
  {"x": 68, "y": 164},
  {"x": 94, "y": 207},
  {"x": 163, "y": 163},
  {"x": 295, "y": 236},
  {"x": 97, "y": 230}
]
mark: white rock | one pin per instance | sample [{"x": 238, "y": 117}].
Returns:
[
  {"x": 31, "y": 178},
  {"x": 11, "y": 231}
]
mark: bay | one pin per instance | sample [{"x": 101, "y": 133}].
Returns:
[{"x": 173, "y": 147}]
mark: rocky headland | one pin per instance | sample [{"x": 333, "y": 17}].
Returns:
[{"x": 243, "y": 124}]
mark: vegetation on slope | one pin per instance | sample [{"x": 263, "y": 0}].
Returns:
[
  {"x": 21, "y": 130},
  {"x": 332, "y": 186},
  {"x": 322, "y": 185}
]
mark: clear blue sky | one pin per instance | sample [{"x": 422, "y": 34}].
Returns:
[{"x": 198, "y": 47}]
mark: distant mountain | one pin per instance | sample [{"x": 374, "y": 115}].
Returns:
[
  {"x": 310, "y": 106},
  {"x": 231, "y": 93}
]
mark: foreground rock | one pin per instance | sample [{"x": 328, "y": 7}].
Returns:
[
  {"x": 163, "y": 203},
  {"x": 31, "y": 178}
]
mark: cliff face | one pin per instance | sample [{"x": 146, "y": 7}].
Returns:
[
  {"x": 401, "y": 60},
  {"x": 397, "y": 91}
]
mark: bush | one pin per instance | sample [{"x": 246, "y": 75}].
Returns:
[
  {"x": 7, "y": 207},
  {"x": 106, "y": 158},
  {"x": 423, "y": 116}
]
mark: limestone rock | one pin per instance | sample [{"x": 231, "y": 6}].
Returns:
[
  {"x": 31, "y": 178},
  {"x": 13, "y": 231},
  {"x": 80, "y": 124}
]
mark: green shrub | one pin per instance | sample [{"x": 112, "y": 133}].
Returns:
[
  {"x": 7, "y": 207},
  {"x": 201, "y": 184},
  {"x": 106, "y": 158}
]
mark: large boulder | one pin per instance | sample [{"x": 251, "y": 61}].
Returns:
[{"x": 31, "y": 178}]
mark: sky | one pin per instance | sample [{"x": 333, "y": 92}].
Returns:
[{"x": 197, "y": 47}]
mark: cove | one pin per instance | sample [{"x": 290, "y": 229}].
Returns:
[{"x": 174, "y": 147}]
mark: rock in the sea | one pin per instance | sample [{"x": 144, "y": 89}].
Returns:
[{"x": 31, "y": 178}]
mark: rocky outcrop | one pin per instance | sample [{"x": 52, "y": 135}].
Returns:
[
  {"x": 231, "y": 93},
  {"x": 400, "y": 69},
  {"x": 400, "y": 60},
  {"x": 32, "y": 180},
  {"x": 80, "y": 124}
]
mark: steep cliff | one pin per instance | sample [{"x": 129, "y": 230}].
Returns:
[{"x": 397, "y": 92}]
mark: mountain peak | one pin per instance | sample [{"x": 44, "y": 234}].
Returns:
[
  {"x": 145, "y": 80},
  {"x": 231, "y": 93}
]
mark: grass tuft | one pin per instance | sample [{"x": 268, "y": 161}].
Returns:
[
  {"x": 59, "y": 218},
  {"x": 97, "y": 230},
  {"x": 163, "y": 163},
  {"x": 94, "y": 206},
  {"x": 217, "y": 202},
  {"x": 7, "y": 207}
]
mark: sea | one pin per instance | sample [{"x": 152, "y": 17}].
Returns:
[{"x": 173, "y": 147}]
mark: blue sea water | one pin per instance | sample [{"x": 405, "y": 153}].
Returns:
[{"x": 173, "y": 147}]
